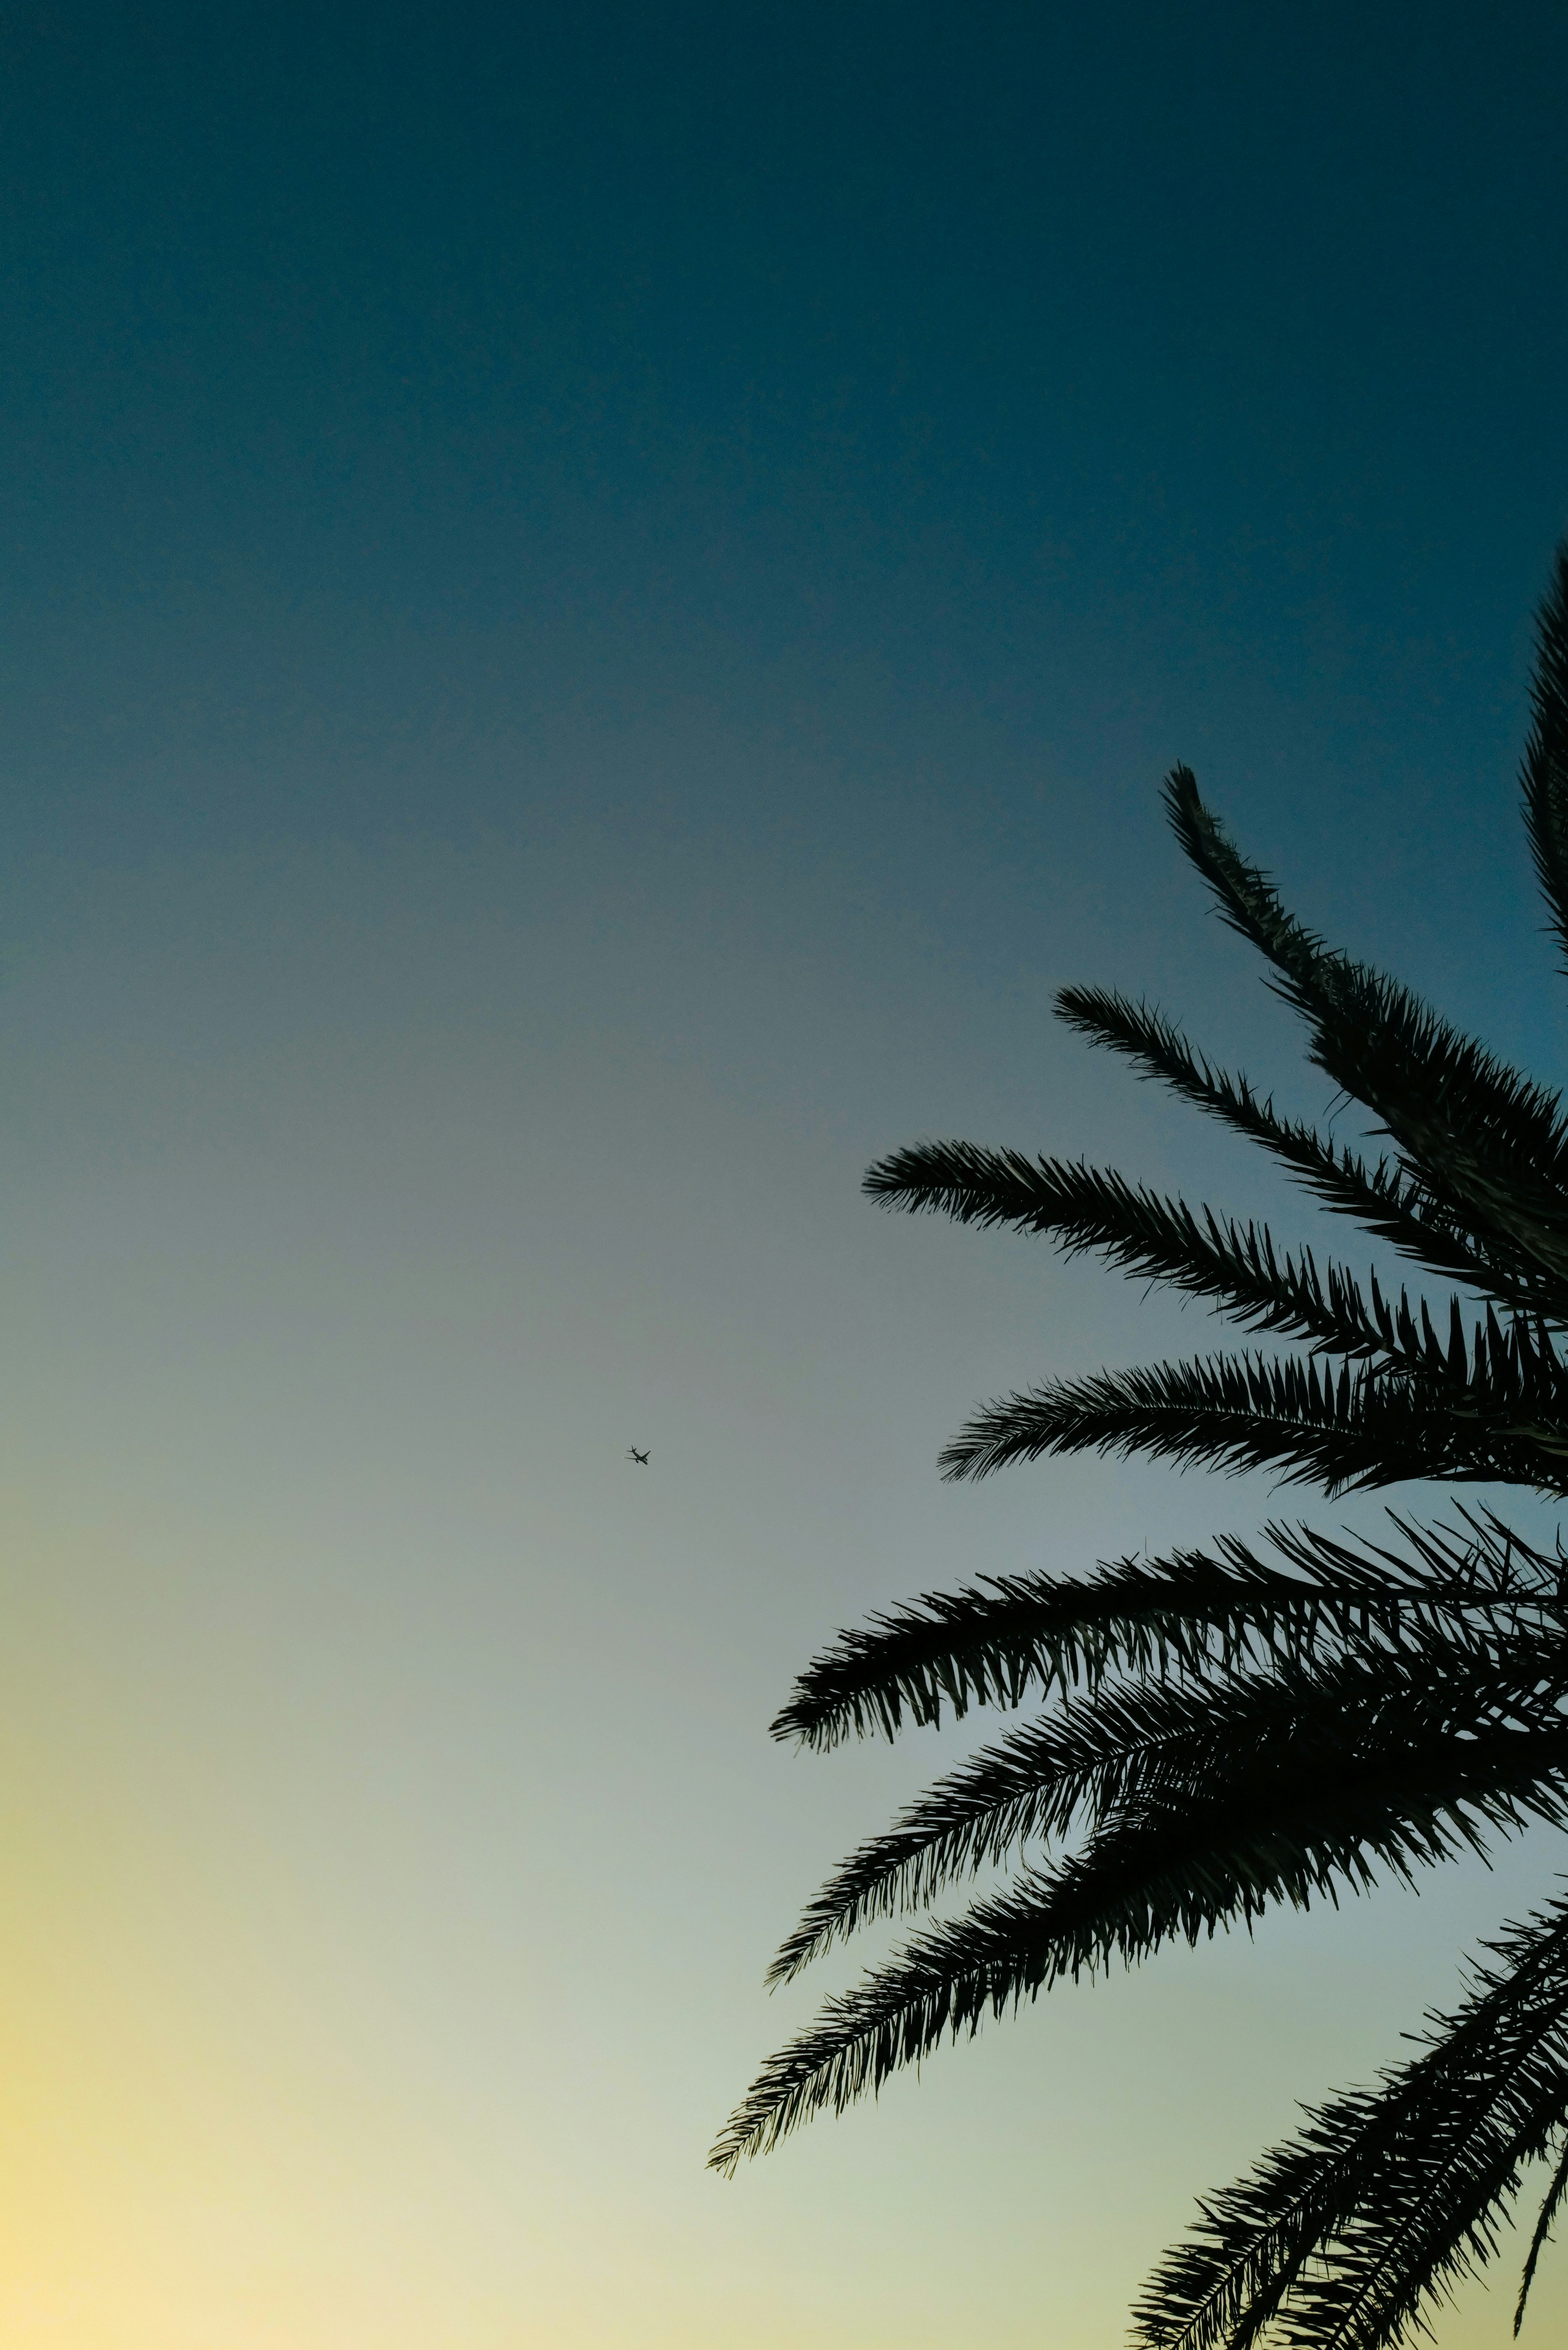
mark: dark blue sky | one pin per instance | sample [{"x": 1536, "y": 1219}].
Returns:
[{"x": 934, "y": 395}]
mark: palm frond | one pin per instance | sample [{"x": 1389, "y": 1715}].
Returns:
[
  {"x": 1550, "y": 2205},
  {"x": 1489, "y": 1144},
  {"x": 1237, "y": 1267},
  {"x": 1546, "y": 753},
  {"x": 1192, "y": 1613},
  {"x": 1224, "y": 1730},
  {"x": 1388, "y": 1202},
  {"x": 1348, "y": 2231},
  {"x": 1309, "y": 1821},
  {"x": 1352, "y": 1432},
  {"x": 1174, "y": 1742}
]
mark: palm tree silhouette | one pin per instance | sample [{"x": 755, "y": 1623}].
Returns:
[{"x": 1230, "y": 1728}]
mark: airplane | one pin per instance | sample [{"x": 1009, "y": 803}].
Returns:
[{"x": 641, "y": 1458}]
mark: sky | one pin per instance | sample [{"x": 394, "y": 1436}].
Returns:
[{"x": 596, "y": 601}]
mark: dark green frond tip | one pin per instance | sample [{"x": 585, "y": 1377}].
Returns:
[
  {"x": 1247, "y": 899},
  {"x": 1202, "y": 1737},
  {"x": 1488, "y": 1146},
  {"x": 1545, "y": 766}
]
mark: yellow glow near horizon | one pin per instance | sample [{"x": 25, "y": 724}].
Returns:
[{"x": 390, "y": 1843}]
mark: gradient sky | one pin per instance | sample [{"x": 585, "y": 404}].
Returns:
[{"x": 595, "y": 600}]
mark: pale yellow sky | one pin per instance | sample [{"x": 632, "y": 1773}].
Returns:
[{"x": 392, "y": 1845}]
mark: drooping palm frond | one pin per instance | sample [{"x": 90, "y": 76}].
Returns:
[
  {"x": 1545, "y": 2219},
  {"x": 1505, "y": 1390},
  {"x": 1168, "y": 1742},
  {"x": 1354, "y": 1432},
  {"x": 1224, "y": 1730},
  {"x": 1194, "y": 1614},
  {"x": 1085, "y": 1207},
  {"x": 1306, "y": 1806},
  {"x": 1388, "y": 2196},
  {"x": 1238, "y": 1269}
]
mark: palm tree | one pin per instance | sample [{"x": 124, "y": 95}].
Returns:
[{"x": 1226, "y": 1729}]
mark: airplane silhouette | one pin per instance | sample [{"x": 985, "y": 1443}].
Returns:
[{"x": 641, "y": 1458}]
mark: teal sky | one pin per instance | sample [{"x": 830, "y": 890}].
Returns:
[{"x": 596, "y": 603}]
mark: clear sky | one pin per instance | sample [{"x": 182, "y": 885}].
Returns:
[{"x": 595, "y": 600}]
